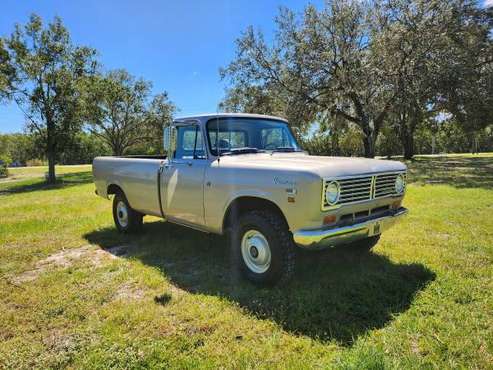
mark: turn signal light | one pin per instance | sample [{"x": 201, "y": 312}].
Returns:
[{"x": 329, "y": 219}]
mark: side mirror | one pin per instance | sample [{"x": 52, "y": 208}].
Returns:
[{"x": 169, "y": 140}]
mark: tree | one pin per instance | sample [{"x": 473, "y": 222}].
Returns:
[
  {"x": 83, "y": 148},
  {"x": 159, "y": 115},
  {"x": 7, "y": 72},
  {"x": 466, "y": 85},
  {"x": 252, "y": 99},
  {"x": 120, "y": 112},
  {"x": 323, "y": 63},
  {"x": 388, "y": 142},
  {"x": 450, "y": 63},
  {"x": 19, "y": 147},
  {"x": 398, "y": 61},
  {"x": 41, "y": 71},
  {"x": 413, "y": 33}
]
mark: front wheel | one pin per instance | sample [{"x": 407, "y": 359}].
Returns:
[
  {"x": 127, "y": 220},
  {"x": 263, "y": 248}
]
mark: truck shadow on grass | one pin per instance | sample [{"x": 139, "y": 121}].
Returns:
[{"x": 335, "y": 295}]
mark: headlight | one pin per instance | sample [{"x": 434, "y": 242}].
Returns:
[
  {"x": 400, "y": 184},
  {"x": 332, "y": 192}
]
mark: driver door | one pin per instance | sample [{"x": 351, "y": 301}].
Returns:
[{"x": 183, "y": 177}]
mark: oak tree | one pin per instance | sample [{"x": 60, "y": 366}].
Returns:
[
  {"x": 41, "y": 70},
  {"x": 121, "y": 111}
]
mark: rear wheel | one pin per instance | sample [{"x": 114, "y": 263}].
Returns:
[
  {"x": 263, "y": 248},
  {"x": 127, "y": 220}
]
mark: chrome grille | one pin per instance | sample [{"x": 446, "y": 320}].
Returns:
[
  {"x": 363, "y": 188},
  {"x": 352, "y": 190},
  {"x": 385, "y": 185}
]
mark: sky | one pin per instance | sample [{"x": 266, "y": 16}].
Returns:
[{"x": 178, "y": 45}]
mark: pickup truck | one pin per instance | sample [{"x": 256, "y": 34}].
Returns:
[{"x": 246, "y": 176}]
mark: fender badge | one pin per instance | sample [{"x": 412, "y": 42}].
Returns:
[{"x": 279, "y": 181}]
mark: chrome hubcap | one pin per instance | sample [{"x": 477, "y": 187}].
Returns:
[
  {"x": 122, "y": 214},
  {"x": 255, "y": 251}
]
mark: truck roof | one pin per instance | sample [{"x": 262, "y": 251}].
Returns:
[{"x": 207, "y": 116}]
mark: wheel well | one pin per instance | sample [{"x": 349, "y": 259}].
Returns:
[
  {"x": 113, "y": 189},
  {"x": 245, "y": 204}
]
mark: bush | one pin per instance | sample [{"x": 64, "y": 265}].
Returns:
[
  {"x": 4, "y": 172},
  {"x": 5, "y": 159}
]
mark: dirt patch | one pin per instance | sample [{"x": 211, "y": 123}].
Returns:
[
  {"x": 129, "y": 291},
  {"x": 176, "y": 291},
  {"x": 90, "y": 254}
]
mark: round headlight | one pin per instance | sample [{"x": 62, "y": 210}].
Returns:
[
  {"x": 400, "y": 184},
  {"x": 332, "y": 192}
]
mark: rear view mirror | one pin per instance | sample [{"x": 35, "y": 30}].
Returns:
[{"x": 169, "y": 140}]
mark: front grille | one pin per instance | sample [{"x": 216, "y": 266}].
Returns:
[
  {"x": 363, "y": 188},
  {"x": 355, "y": 190},
  {"x": 385, "y": 185}
]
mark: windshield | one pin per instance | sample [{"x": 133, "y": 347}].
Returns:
[{"x": 249, "y": 135}]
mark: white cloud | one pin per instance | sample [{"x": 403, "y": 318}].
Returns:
[{"x": 488, "y": 3}]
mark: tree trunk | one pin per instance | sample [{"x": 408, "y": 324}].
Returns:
[
  {"x": 336, "y": 151},
  {"x": 116, "y": 149},
  {"x": 408, "y": 126},
  {"x": 369, "y": 136},
  {"x": 50, "y": 152},
  {"x": 369, "y": 146},
  {"x": 408, "y": 144},
  {"x": 389, "y": 151},
  {"x": 51, "y": 166},
  {"x": 474, "y": 148}
]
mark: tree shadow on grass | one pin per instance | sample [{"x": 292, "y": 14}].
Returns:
[
  {"x": 36, "y": 184},
  {"x": 335, "y": 295},
  {"x": 460, "y": 172}
]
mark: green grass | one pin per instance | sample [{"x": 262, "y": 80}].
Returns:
[
  {"x": 23, "y": 173},
  {"x": 423, "y": 298}
]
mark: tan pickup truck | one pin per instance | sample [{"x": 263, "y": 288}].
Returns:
[{"x": 246, "y": 176}]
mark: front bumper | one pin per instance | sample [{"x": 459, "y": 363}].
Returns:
[{"x": 331, "y": 237}]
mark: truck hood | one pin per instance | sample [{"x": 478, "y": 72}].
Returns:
[{"x": 322, "y": 166}]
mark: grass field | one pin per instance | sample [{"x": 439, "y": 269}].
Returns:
[{"x": 75, "y": 293}]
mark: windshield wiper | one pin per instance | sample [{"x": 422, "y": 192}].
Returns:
[
  {"x": 286, "y": 149},
  {"x": 244, "y": 150}
]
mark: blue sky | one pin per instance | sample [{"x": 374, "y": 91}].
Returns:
[{"x": 178, "y": 45}]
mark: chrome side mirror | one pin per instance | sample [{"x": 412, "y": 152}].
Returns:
[{"x": 169, "y": 140}]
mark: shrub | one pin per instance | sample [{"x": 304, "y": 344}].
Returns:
[{"x": 4, "y": 172}]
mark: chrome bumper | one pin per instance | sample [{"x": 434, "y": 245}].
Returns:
[{"x": 320, "y": 238}]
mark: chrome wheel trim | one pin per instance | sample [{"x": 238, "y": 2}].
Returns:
[
  {"x": 255, "y": 251},
  {"x": 122, "y": 213}
]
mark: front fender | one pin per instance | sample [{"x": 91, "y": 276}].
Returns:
[{"x": 254, "y": 193}]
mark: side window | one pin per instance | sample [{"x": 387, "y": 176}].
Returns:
[{"x": 189, "y": 143}]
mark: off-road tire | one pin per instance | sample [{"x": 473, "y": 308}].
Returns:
[
  {"x": 135, "y": 219},
  {"x": 281, "y": 245}
]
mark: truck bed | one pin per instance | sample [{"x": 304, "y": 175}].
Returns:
[{"x": 136, "y": 175}]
